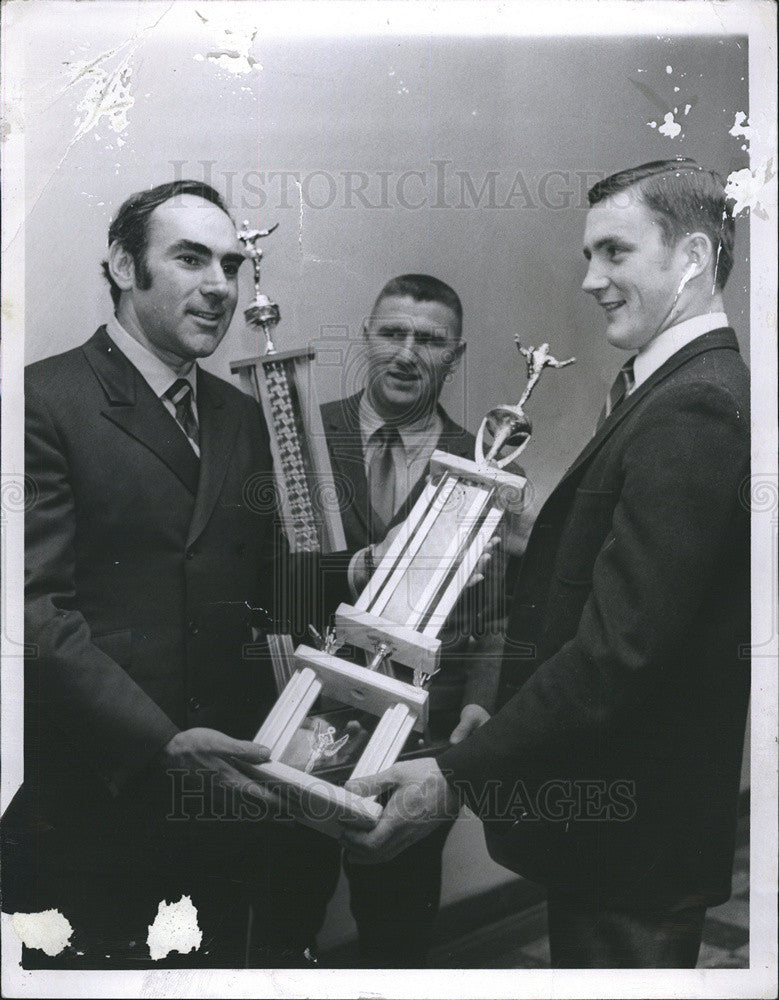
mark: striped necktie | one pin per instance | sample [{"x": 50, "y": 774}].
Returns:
[
  {"x": 180, "y": 394},
  {"x": 623, "y": 385}
]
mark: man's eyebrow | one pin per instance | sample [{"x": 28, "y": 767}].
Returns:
[
  {"x": 606, "y": 241},
  {"x": 200, "y": 248},
  {"x": 191, "y": 246}
]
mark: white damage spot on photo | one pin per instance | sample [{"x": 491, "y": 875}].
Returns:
[
  {"x": 47, "y": 930},
  {"x": 235, "y": 38},
  {"x": 109, "y": 95},
  {"x": 741, "y": 128},
  {"x": 670, "y": 127},
  {"x": 746, "y": 186},
  {"x": 175, "y": 928}
]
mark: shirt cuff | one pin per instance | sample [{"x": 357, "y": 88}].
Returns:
[{"x": 360, "y": 570}]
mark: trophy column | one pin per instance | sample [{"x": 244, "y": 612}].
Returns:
[{"x": 283, "y": 384}]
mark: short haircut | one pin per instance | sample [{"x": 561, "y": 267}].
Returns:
[
  {"x": 685, "y": 198},
  {"x": 422, "y": 288},
  {"x": 130, "y": 227}
]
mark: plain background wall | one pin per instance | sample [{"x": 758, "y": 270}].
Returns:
[
  {"x": 540, "y": 119},
  {"x": 545, "y": 117}
]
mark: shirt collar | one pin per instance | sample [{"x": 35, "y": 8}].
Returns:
[
  {"x": 159, "y": 375},
  {"x": 414, "y": 435},
  {"x": 667, "y": 343}
]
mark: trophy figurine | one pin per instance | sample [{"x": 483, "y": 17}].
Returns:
[
  {"x": 262, "y": 312},
  {"x": 509, "y": 425},
  {"x": 398, "y": 618}
]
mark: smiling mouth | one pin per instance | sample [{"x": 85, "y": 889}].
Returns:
[
  {"x": 404, "y": 376},
  {"x": 611, "y": 307},
  {"x": 206, "y": 315}
]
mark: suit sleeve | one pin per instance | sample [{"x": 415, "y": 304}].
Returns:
[
  {"x": 76, "y": 686},
  {"x": 682, "y": 467},
  {"x": 483, "y": 672}
]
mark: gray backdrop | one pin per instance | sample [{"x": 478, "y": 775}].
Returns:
[{"x": 468, "y": 158}]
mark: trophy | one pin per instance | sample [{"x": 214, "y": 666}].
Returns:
[
  {"x": 363, "y": 715},
  {"x": 283, "y": 384}
]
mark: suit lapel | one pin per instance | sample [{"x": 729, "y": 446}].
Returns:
[
  {"x": 346, "y": 455},
  {"x": 717, "y": 339},
  {"x": 218, "y": 430},
  {"x": 133, "y": 407},
  {"x": 455, "y": 439}
]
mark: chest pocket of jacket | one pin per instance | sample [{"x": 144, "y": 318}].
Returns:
[{"x": 586, "y": 528}]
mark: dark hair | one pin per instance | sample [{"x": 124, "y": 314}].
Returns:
[
  {"x": 685, "y": 198},
  {"x": 422, "y": 288},
  {"x": 130, "y": 227}
]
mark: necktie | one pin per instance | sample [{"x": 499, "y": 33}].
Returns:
[
  {"x": 381, "y": 474},
  {"x": 623, "y": 384},
  {"x": 180, "y": 394}
]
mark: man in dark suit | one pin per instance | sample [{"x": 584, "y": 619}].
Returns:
[
  {"x": 380, "y": 441},
  {"x": 144, "y": 559},
  {"x": 611, "y": 772}
]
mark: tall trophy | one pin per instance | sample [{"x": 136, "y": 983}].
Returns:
[
  {"x": 335, "y": 719},
  {"x": 282, "y": 382}
]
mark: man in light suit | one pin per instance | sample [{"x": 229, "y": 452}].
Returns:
[
  {"x": 144, "y": 560},
  {"x": 611, "y": 773},
  {"x": 380, "y": 440}
]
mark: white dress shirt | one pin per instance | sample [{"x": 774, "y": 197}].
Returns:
[
  {"x": 410, "y": 455},
  {"x": 666, "y": 344},
  {"x": 159, "y": 376}
]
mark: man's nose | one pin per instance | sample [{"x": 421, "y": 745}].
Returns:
[
  {"x": 594, "y": 280},
  {"x": 407, "y": 346},
  {"x": 214, "y": 282}
]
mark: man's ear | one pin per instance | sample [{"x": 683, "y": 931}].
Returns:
[
  {"x": 453, "y": 358},
  {"x": 457, "y": 353},
  {"x": 699, "y": 253},
  {"x": 121, "y": 266}
]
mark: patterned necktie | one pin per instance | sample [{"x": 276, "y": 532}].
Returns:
[
  {"x": 381, "y": 474},
  {"x": 180, "y": 394},
  {"x": 623, "y": 385}
]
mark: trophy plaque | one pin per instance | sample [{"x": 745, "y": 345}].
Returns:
[{"x": 336, "y": 719}]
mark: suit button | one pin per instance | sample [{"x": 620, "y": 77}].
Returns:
[
  {"x": 193, "y": 627},
  {"x": 190, "y": 553},
  {"x": 193, "y": 705}
]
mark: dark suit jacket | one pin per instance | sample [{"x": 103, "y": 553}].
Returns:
[
  {"x": 626, "y": 662},
  {"x": 341, "y": 420},
  {"x": 140, "y": 565},
  {"x": 464, "y": 678}
]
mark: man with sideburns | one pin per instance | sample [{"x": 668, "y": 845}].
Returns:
[
  {"x": 144, "y": 560},
  {"x": 611, "y": 772}
]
